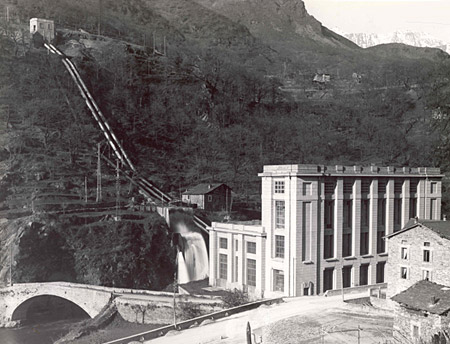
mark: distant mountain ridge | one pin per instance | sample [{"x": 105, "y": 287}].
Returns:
[{"x": 416, "y": 39}]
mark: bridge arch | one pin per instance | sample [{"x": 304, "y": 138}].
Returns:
[{"x": 47, "y": 306}]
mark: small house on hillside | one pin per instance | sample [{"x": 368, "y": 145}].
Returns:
[
  {"x": 211, "y": 197},
  {"x": 45, "y": 27},
  {"x": 421, "y": 313},
  {"x": 322, "y": 78}
]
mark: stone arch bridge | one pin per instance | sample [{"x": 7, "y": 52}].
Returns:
[{"x": 15, "y": 300}]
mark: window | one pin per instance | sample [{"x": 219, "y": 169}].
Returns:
[
  {"x": 49, "y": 26},
  {"x": 426, "y": 256},
  {"x": 381, "y": 245},
  {"x": 236, "y": 245},
  {"x": 251, "y": 272},
  {"x": 397, "y": 211},
  {"x": 278, "y": 280},
  {"x": 41, "y": 26},
  {"x": 364, "y": 245},
  {"x": 307, "y": 190},
  {"x": 404, "y": 272},
  {"x": 34, "y": 28},
  {"x": 347, "y": 276},
  {"x": 328, "y": 249},
  {"x": 223, "y": 266},
  {"x": 279, "y": 187},
  {"x": 433, "y": 187},
  {"x": 328, "y": 280},
  {"x": 426, "y": 275},
  {"x": 223, "y": 243},
  {"x": 347, "y": 244},
  {"x": 209, "y": 198},
  {"x": 364, "y": 274},
  {"x": 347, "y": 223},
  {"x": 329, "y": 213},
  {"x": 365, "y": 213},
  {"x": 236, "y": 269},
  {"x": 404, "y": 253},
  {"x": 251, "y": 247},
  {"x": 381, "y": 212},
  {"x": 380, "y": 272},
  {"x": 433, "y": 208},
  {"x": 412, "y": 207},
  {"x": 279, "y": 214},
  {"x": 279, "y": 246},
  {"x": 426, "y": 243}
]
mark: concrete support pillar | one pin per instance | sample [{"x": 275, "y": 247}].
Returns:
[
  {"x": 356, "y": 220},
  {"x": 338, "y": 217},
  {"x": 373, "y": 213},
  {"x": 406, "y": 196},
  {"x": 212, "y": 257},
  {"x": 390, "y": 207}
]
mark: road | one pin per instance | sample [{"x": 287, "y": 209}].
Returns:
[{"x": 232, "y": 330}]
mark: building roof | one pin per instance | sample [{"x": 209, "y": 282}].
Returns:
[
  {"x": 425, "y": 296},
  {"x": 340, "y": 170},
  {"x": 442, "y": 228},
  {"x": 203, "y": 189}
]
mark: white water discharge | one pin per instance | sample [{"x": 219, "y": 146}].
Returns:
[{"x": 193, "y": 261}]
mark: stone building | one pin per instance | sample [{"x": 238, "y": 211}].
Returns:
[
  {"x": 325, "y": 225},
  {"x": 211, "y": 197},
  {"x": 422, "y": 313},
  {"x": 45, "y": 27},
  {"x": 420, "y": 251}
]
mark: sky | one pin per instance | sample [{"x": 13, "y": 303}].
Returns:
[{"x": 384, "y": 16}]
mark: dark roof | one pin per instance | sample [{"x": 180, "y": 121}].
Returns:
[
  {"x": 419, "y": 297},
  {"x": 203, "y": 189},
  {"x": 441, "y": 228}
]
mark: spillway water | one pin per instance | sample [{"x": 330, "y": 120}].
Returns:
[{"x": 193, "y": 263}]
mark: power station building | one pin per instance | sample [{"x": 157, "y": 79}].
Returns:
[{"x": 322, "y": 228}]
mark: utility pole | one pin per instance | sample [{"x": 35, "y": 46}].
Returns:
[
  {"x": 117, "y": 188},
  {"x": 99, "y": 176},
  {"x": 85, "y": 190},
  {"x": 10, "y": 264},
  {"x": 175, "y": 284},
  {"x": 100, "y": 9}
]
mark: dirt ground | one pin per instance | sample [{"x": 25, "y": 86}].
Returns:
[{"x": 333, "y": 326}]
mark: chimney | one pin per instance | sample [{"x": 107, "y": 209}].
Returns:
[
  {"x": 209, "y": 186},
  {"x": 434, "y": 300},
  {"x": 416, "y": 220},
  {"x": 445, "y": 217}
]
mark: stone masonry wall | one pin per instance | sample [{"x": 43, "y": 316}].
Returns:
[{"x": 413, "y": 240}]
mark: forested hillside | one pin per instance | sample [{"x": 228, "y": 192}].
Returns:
[{"x": 211, "y": 109}]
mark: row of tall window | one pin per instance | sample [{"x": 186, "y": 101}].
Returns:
[
  {"x": 250, "y": 269},
  {"x": 329, "y": 275}
]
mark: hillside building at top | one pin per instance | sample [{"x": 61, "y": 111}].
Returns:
[
  {"x": 322, "y": 228},
  {"x": 45, "y": 27}
]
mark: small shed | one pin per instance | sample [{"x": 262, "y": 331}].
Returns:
[
  {"x": 322, "y": 78},
  {"x": 421, "y": 313},
  {"x": 45, "y": 27},
  {"x": 211, "y": 197}
]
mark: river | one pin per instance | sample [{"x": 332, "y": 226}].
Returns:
[{"x": 45, "y": 333}]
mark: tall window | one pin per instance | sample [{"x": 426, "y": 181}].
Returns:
[
  {"x": 329, "y": 213},
  {"x": 328, "y": 249},
  {"x": 397, "y": 212},
  {"x": 251, "y": 272},
  {"x": 404, "y": 272},
  {"x": 347, "y": 244},
  {"x": 279, "y": 246},
  {"x": 365, "y": 211},
  {"x": 223, "y": 266},
  {"x": 364, "y": 274},
  {"x": 364, "y": 245},
  {"x": 279, "y": 214},
  {"x": 279, "y": 187},
  {"x": 433, "y": 207},
  {"x": 381, "y": 212},
  {"x": 404, "y": 253},
  {"x": 348, "y": 211},
  {"x": 223, "y": 243},
  {"x": 426, "y": 255},
  {"x": 251, "y": 247},
  {"x": 381, "y": 245},
  {"x": 307, "y": 189},
  {"x": 278, "y": 280},
  {"x": 433, "y": 187},
  {"x": 412, "y": 207},
  {"x": 380, "y": 272}
]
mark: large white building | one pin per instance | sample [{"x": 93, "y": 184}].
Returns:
[{"x": 322, "y": 228}]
